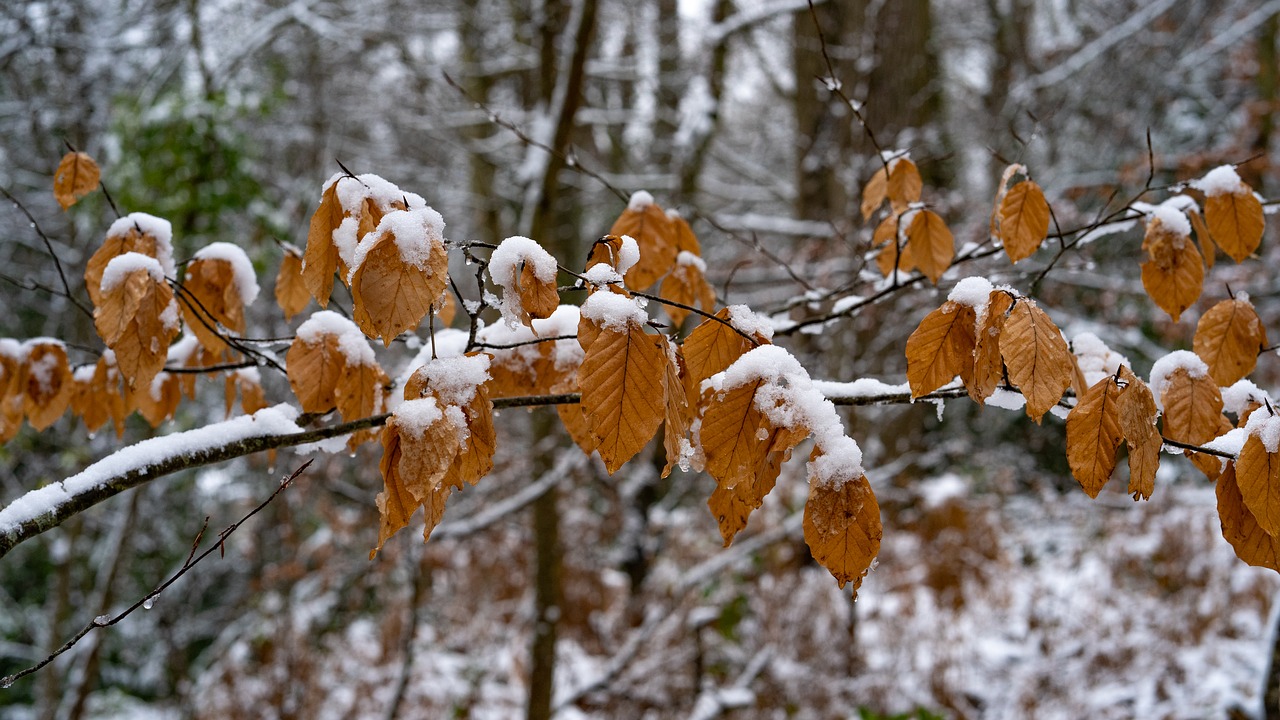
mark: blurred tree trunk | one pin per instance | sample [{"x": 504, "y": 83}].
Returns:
[
  {"x": 1268, "y": 84},
  {"x": 822, "y": 121},
  {"x": 553, "y": 212},
  {"x": 693, "y": 157}
]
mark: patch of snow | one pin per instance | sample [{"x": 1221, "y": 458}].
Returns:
[
  {"x": 612, "y": 311},
  {"x": 158, "y": 228},
  {"x": 1167, "y": 365},
  {"x": 122, "y": 265},
  {"x": 1222, "y": 180},
  {"x": 351, "y": 342}
]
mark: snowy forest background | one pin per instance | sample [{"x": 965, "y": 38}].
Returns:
[{"x": 1001, "y": 590}]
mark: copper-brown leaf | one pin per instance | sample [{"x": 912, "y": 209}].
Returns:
[
  {"x": 396, "y": 503},
  {"x": 712, "y": 346},
  {"x": 1251, "y": 543},
  {"x": 137, "y": 319},
  {"x": 932, "y": 244},
  {"x": 688, "y": 286},
  {"x": 905, "y": 184},
  {"x": 475, "y": 458},
  {"x": 988, "y": 367},
  {"x": 893, "y": 254},
  {"x": 1144, "y": 460},
  {"x": 1236, "y": 222},
  {"x": 731, "y": 435},
  {"x": 1173, "y": 274},
  {"x": 1093, "y": 436},
  {"x": 1258, "y": 475},
  {"x": 321, "y": 259},
  {"x": 1024, "y": 220},
  {"x": 46, "y": 383},
  {"x": 621, "y": 380},
  {"x": 1037, "y": 357},
  {"x": 1228, "y": 339},
  {"x": 1137, "y": 409},
  {"x": 653, "y": 232},
  {"x": 874, "y": 192},
  {"x": 291, "y": 290},
  {"x": 1192, "y": 407},
  {"x": 394, "y": 291},
  {"x": 1203, "y": 236},
  {"x": 314, "y": 369},
  {"x": 677, "y": 414},
  {"x": 133, "y": 239},
  {"x": 212, "y": 298},
  {"x": 842, "y": 528},
  {"x": 77, "y": 176},
  {"x": 941, "y": 348}
]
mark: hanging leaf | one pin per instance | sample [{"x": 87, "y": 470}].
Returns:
[
  {"x": 46, "y": 382},
  {"x": 137, "y": 317},
  {"x": 1144, "y": 461},
  {"x": 400, "y": 271},
  {"x": 1094, "y": 435},
  {"x": 905, "y": 184},
  {"x": 731, "y": 507},
  {"x": 941, "y": 348},
  {"x": 1174, "y": 272},
  {"x": 842, "y": 528},
  {"x": 314, "y": 369},
  {"x": 712, "y": 346},
  {"x": 1137, "y": 409},
  {"x": 1251, "y": 543},
  {"x": 475, "y": 458},
  {"x": 1228, "y": 339},
  {"x": 1258, "y": 475},
  {"x": 687, "y": 284},
  {"x": 621, "y": 379},
  {"x": 321, "y": 259},
  {"x": 159, "y": 401},
  {"x": 1193, "y": 414},
  {"x": 874, "y": 192},
  {"x": 291, "y": 289},
  {"x": 931, "y": 243},
  {"x": 1037, "y": 357},
  {"x": 360, "y": 393},
  {"x": 214, "y": 296},
  {"x": 886, "y": 234},
  {"x": 1024, "y": 220},
  {"x": 403, "y": 489},
  {"x": 648, "y": 224},
  {"x": 1204, "y": 237},
  {"x": 677, "y": 414},
  {"x": 77, "y": 175},
  {"x": 732, "y": 437},
  {"x": 988, "y": 367},
  {"x": 1235, "y": 221},
  {"x": 136, "y": 232}
]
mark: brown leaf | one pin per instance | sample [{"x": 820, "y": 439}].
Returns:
[
  {"x": 842, "y": 528},
  {"x": 1228, "y": 338},
  {"x": 1144, "y": 460},
  {"x": 1037, "y": 357},
  {"x": 291, "y": 289},
  {"x": 621, "y": 378},
  {"x": 397, "y": 503},
  {"x": 988, "y": 367},
  {"x": 1192, "y": 407},
  {"x": 904, "y": 185},
  {"x": 686, "y": 241},
  {"x": 1137, "y": 409},
  {"x": 133, "y": 240},
  {"x": 321, "y": 259},
  {"x": 710, "y": 348},
  {"x": 159, "y": 401},
  {"x": 1093, "y": 436},
  {"x": 538, "y": 299},
  {"x": 941, "y": 348},
  {"x": 734, "y": 435},
  {"x": 392, "y": 292},
  {"x": 731, "y": 507},
  {"x": 77, "y": 176},
  {"x": 475, "y": 459},
  {"x": 1174, "y": 272},
  {"x": 1024, "y": 220},
  {"x": 1251, "y": 543},
  {"x": 359, "y": 393},
  {"x": 1258, "y": 475},
  {"x": 931, "y": 243},
  {"x": 677, "y": 414},
  {"x": 137, "y": 319},
  {"x": 211, "y": 298},
  {"x": 649, "y": 226},
  {"x": 874, "y": 193},
  {"x": 430, "y": 441},
  {"x": 46, "y": 382},
  {"x": 314, "y": 369},
  {"x": 688, "y": 286},
  {"x": 1204, "y": 237},
  {"x": 1236, "y": 222},
  {"x": 886, "y": 234}
]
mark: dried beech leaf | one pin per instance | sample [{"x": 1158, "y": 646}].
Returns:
[
  {"x": 710, "y": 348},
  {"x": 392, "y": 295},
  {"x": 1258, "y": 476},
  {"x": 931, "y": 243},
  {"x": 731, "y": 435},
  {"x": 941, "y": 348},
  {"x": 159, "y": 401},
  {"x": 677, "y": 414},
  {"x": 688, "y": 286},
  {"x": 1173, "y": 274},
  {"x": 292, "y": 294},
  {"x": 1240, "y": 528},
  {"x": 137, "y": 319},
  {"x": 134, "y": 240},
  {"x": 77, "y": 176},
  {"x": 475, "y": 459},
  {"x": 321, "y": 259},
  {"x": 1228, "y": 339},
  {"x": 621, "y": 379},
  {"x": 47, "y": 383},
  {"x": 1024, "y": 220},
  {"x": 886, "y": 234},
  {"x": 656, "y": 238},
  {"x": 1144, "y": 460},
  {"x": 874, "y": 193},
  {"x": 1204, "y": 237},
  {"x": 1137, "y": 408},
  {"x": 538, "y": 299},
  {"x": 1236, "y": 222},
  {"x": 1037, "y": 357},
  {"x": 988, "y": 367},
  {"x": 1192, "y": 408},
  {"x": 359, "y": 393},
  {"x": 211, "y": 299},
  {"x": 842, "y": 528},
  {"x": 1093, "y": 436},
  {"x": 314, "y": 369},
  {"x": 731, "y": 507},
  {"x": 905, "y": 184}
]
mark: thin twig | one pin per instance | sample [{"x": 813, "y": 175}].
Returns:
[{"x": 48, "y": 245}]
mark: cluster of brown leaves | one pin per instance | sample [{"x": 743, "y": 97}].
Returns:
[
  {"x": 910, "y": 237},
  {"x": 331, "y": 366}
]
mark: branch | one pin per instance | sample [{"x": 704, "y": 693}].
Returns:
[
  {"x": 48, "y": 245},
  {"x": 192, "y": 561}
]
